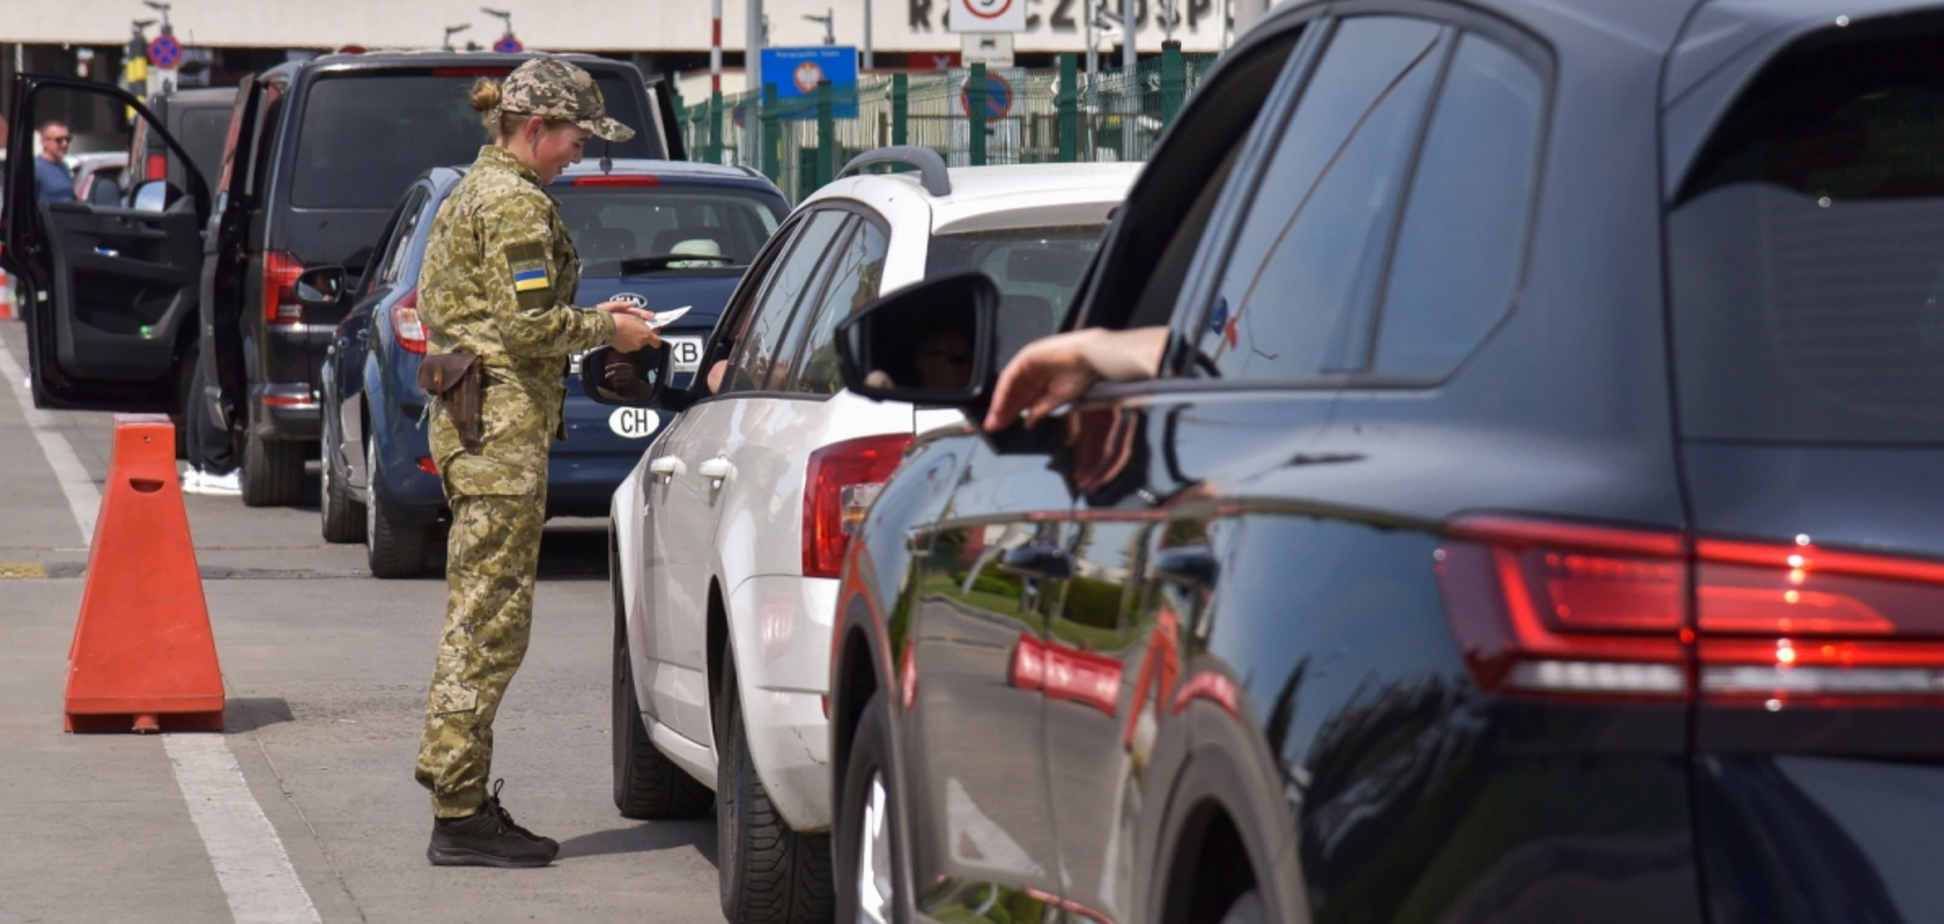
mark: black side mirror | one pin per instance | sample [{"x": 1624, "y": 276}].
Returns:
[
  {"x": 929, "y": 344},
  {"x": 320, "y": 286},
  {"x": 636, "y": 379}
]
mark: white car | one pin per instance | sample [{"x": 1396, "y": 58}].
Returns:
[{"x": 729, "y": 533}]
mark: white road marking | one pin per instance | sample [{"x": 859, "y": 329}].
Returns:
[
  {"x": 251, "y": 865},
  {"x": 82, "y": 496}
]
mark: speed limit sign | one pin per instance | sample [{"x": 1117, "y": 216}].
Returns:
[{"x": 988, "y": 16}]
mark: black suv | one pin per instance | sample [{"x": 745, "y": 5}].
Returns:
[
  {"x": 317, "y": 155},
  {"x": 1537, "y": 516}
]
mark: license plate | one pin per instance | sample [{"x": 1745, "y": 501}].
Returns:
[{"x": 684, "y": 354}]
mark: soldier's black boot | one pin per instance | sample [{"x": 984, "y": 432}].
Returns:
[{"x": 488, "y": 837}]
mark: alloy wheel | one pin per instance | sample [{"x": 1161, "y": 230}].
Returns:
[{"x": 874, "y": 858}]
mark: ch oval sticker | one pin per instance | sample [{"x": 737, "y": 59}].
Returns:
[{"x": 634, "y": 422}]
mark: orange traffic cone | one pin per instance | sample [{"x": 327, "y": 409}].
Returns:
[{"x": 143, "y": 658}]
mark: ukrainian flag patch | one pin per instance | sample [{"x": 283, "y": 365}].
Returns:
[
  {"x": 529, "y": 280},
  {"x": 528, "y": 263}
]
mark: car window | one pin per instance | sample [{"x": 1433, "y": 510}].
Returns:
[
  {"x": 627, "y": 230},
  {"x": 201, "y": 134},
  {"x": 364, "y": 138},
  {"x": 1806, "y": 252},
  {"x": 409, "y": 217},
  {"x": 1037, "y": 270},
  {"x": 760, "y": 362},
  {"x": 1295, "y": 296},
  {"x": 854, "y": 270},
  {"x": 1476, "y": 172}
]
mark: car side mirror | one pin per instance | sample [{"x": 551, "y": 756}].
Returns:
[
  {"x": 928, "y": 344},
  {"x": 153, "y": 196},
  {"x": 636, "y": 379},
  {"x": 319, "y": 286}
]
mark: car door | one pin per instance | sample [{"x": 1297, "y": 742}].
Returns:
[
  {"x": 343, "y": 444},
  {"x": 109, "y": 291},
  {"x": 693, "y": 465},
  {"x": 226, "y": 244},
  {"x": 1276, "y": 314}
]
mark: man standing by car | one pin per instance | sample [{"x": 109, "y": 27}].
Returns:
[{"x": 52, "y": 182}]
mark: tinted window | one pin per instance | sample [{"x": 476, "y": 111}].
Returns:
[
  {"x": 760, "y": 362},
  {"x": 855, "y": 268},
  {"x": 1807, "y": 253},
  {"x": 1295, "y": 297},
  {"x": 1462, "y": 241},
  {"x": 716, "y": 229},
  {"x": 202, "y": 134},
  {"x": 1036, "y": 269},
  {"x": 363, "y": 139}
]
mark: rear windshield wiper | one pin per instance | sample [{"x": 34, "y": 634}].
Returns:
[{"x": 657, "y": 262}]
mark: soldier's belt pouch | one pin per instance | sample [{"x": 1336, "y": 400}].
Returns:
[{"x": 452, "y": 379}]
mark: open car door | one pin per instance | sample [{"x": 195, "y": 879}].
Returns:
[
  {"x": 663, "y": 94},
  {"x": 109, "y": 292}
]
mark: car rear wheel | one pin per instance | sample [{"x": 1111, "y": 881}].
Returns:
[
  {"x": 866, "y": 836},
  {"x": 646, "y": 784},
  {"x": 393, "y": 547},
  {"x": 273, "y": 472},
  {"x": 769, "y": 874},
  {"x": 341, "y": 515}
]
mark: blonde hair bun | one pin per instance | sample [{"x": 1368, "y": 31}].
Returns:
[{"x": 485, "y": 94}]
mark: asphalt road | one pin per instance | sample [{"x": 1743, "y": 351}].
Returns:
[{"x": 325, "y": 670}]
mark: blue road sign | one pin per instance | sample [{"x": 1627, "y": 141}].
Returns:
[
  {"x": 165, "y": 52},
  {"x": 795, "y": 72},
  {"x": 508, "y": 45},
  {"x": 998, "y": 97}
]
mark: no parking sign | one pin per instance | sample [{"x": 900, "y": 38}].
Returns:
[
  {"x": 988, "y": 16},
  {"x": 508, "y": 45},
  {"x": 998, "y": 97},
  {"x": 165, "y": 52}
]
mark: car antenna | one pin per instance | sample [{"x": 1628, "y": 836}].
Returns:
[{"x": 607, "y": 156}]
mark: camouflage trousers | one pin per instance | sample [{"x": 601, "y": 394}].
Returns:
[{"x": 492, "y": 556}]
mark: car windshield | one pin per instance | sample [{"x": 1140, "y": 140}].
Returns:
[
  {"x": 202, "y": 134},
  {"x": 637, "y": 230},
  {"x": 1806, "y": 253},
  {"x": 363, "y": 138},
  {"x": 1037, "y": 270}
]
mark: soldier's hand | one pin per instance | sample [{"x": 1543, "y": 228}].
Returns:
[{"x": 632, "y": 333}]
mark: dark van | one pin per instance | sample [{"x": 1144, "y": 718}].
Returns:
[
  {"x": 199, "y": 118},
  {"x": 317, "y": 154}
]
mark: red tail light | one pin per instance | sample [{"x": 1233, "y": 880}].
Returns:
[
  {"x": 615, "y": 181},
  {"x": 406, "y": 326},
  {"x": 156, "y": 167},
  {"x": 280, "y": 271},
  {"x": 838, "y": 487},
  {"x": 1556, "y": 609}
]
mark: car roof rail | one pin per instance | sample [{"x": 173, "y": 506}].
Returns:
[{"x": 931, "y": 167}]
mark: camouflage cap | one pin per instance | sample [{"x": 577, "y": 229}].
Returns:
[{"x": 551, "y": 88}]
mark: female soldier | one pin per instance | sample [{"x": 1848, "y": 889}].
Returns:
[{"x": 498, "y": 283}]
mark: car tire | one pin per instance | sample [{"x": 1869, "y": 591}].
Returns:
[
  {"x": 273, "y": 472},
  {"x": 768, "y": 873},
  {"x": 647, "y": 785},
  {"x": 393, "y": 548},
  {"x": 341, "y": 515},
  {"x": 868, "y": 859}
]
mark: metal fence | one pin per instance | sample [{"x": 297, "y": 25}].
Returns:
[{"x": 1030, "y": 116}]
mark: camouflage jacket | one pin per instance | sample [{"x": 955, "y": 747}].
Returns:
[{"x": 498, "y": 281}]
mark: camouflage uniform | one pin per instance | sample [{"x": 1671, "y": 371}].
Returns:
[{"x": 498, "y": 281}]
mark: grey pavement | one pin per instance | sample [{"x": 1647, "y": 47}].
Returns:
[{"x": 325, "y": 670}]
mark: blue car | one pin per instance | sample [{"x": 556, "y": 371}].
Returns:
[{"x": 667, "y": 234}]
